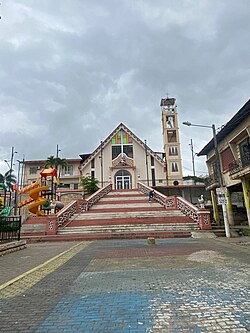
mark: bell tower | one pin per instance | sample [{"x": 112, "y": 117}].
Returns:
[{"x": 171, "y": 141}]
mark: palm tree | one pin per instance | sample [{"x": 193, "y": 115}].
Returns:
[
  {"x": 7, "y": 180},
  {"x": 57, "y": 163},
  {"x": 61, "y": 164},
  {"x": 89, "y": 184},
  {"x": 50, "y": 162}
]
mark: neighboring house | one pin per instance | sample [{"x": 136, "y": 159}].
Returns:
[
  {"x": 234, "y": 153},
  {"x": 123, "y": 159},
  {"x": 69, "y": 176}
]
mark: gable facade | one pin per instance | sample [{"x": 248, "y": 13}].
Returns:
[{"x": 123, "y": 159}]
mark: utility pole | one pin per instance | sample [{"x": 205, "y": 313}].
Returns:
[
  {"x": 101, "y": 163},
  {"x": 219, "y": 173},
  {"x": 146, "y": 153},
  {"x": 192, "y": 151},
  {"x": 57, "y": 171},
  {"x": 11, "y": 169},
  {"x": 18, "y": 186}
]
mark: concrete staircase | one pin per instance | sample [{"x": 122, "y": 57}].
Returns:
[{"x": 127, "y": 214}]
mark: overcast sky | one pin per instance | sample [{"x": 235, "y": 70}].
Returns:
[{"x": 72, "y": 70}]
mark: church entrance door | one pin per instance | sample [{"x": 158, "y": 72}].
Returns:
[{"x": 122, "y": 180}]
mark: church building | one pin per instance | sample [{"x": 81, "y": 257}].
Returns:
[{"x": 123, "y": 159}]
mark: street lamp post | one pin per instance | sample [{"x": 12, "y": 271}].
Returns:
[
  {"x": 218, "y": 169},
  {"x": 57, "y": 155},
  {"x": 13, "y": 152}
]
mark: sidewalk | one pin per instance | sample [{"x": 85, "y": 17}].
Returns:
[
  {"x": 128, "y": 286},
  {"x": 17, "y": 263}
]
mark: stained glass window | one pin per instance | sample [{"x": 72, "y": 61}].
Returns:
[
  {"x": 121, "y": 137},
  {"x": 122, "y": 143}
]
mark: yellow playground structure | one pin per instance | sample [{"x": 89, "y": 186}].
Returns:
[{"x": 42, "y": 192}]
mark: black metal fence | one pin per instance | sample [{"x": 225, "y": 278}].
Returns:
[{"x": 10, "y": 228}]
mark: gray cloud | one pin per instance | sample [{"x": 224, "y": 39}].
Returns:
[{"x": 71, "y": 71}]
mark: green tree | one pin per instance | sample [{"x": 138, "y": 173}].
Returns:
[
  {"x": 6, "y": 183},
  {"x": 89, "y": 184},
  {"x": 50, "y": 162},
  {"x": 8, "y": 180},
  {"x": 56, "y": 162}
]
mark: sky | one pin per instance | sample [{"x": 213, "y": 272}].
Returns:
[{"x": 72, "y": 70}]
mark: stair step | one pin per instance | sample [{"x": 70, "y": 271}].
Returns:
[
  {"x": 90, "y": 237},
  {"x": 128, "y": 228},
  {"x": 135, "y": 214},
  {"x": 124, "y": 214},
  {"x": 130, "y": 205},
  {"x": 145, "y": 220},
  {"x": 115, "y": 198}
]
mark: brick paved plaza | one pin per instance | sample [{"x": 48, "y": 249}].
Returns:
[{"x": 177, "y": 285}]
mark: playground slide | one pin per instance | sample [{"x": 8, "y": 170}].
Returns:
[
  {"x": 30, "y": 187},
  {"x": 38, "y": 201},
  {"x": 25, "y": 202}
]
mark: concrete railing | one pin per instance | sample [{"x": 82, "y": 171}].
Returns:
[
  {"x": 80, "y": 205},
  {"x": 97, "y": 196},
  {"x": 199, "y": 215}
]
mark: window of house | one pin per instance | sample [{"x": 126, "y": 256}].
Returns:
[
  {"x": 226, "y": 158},
  {"x": 172, "y": 136},
  {"x": 122, "y": 143},
  {"x": 67, "y": 170},
  {"x": 152, "y": 161},
  {"x": 33, "y": 170},
  {"x": 244, "y": 147},
  {"x": 153, "y": 176},
  {"x": 116, "y": 150},
  {"x": 92, "y": 174},
  {"x": 128, "y": 150},
  {"x": 93, "y": 163},
  {"x": 170, "y": 122},
  {"x": 174, "y": 167},
  {"x": 173, "y": 151}
]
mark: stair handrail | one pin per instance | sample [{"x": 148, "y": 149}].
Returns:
[
  {"x": 66, "y": 213},
  {"x": 158, "y": 196},
  {"x": 78, "y": 206},
  {"x": 90, "y": 201},
  {"x": 199, "y": 215}
]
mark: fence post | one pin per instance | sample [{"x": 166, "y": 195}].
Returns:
[
  {"x": 204, "y": 220},
  {"x": 51, "y": 225}
]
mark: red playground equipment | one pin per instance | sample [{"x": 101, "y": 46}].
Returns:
[{"x": 42, "y": 193}]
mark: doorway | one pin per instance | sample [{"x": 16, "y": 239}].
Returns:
[{"x": 122, "y": 180}]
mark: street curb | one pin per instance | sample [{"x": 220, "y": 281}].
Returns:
[{"x": 12, "y": 247}]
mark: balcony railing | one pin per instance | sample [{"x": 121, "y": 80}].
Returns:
[
  {"x": 213, "y": 179},
  {"x": 239, "y": 164}
]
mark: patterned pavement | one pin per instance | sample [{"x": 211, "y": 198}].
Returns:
[{"x": 177, "y": 285}]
